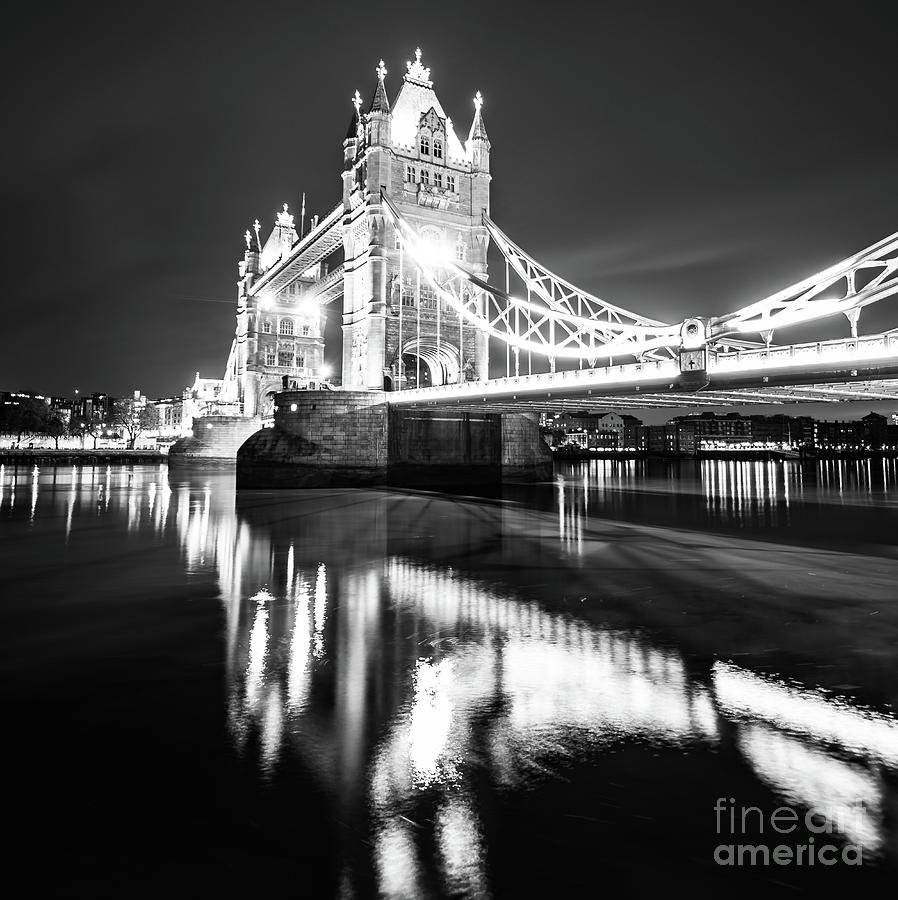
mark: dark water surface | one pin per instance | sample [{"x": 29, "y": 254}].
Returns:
[{"x": 373, "y": 693}]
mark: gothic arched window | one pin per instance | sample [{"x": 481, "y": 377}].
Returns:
[
  {"x": 286, "y": 326},
  {"x": 425, "y": 145},
  {"x": 306, "y": 330},
  {"x": 410, "y": 174},
  {"x": 425, "y": 176},
  {"x": 266, "y": 326},
  {"x": 437, "y": 148}
]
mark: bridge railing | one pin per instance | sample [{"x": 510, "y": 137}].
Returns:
[
  {"x": 650, "y": 370},
  {"x": 840, "y": 350}
]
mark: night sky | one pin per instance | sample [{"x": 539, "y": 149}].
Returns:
[{"x": 674, "y": 158}]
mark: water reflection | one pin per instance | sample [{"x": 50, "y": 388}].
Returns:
[
  {"x": 418, "y": 680},
  {"x": 733, "y": 494},
  {"x": 398, "y": 646}
]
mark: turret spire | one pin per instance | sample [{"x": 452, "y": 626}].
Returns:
[
  {"x": 380, "y": 103},
  {"x": 478, "y": 129}
]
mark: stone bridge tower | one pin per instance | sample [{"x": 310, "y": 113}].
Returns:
[{"x": 410, "y": 153}]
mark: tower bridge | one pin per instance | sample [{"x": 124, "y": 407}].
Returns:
[{"x": 426, "y": 325}]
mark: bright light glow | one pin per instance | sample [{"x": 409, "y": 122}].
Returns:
[
  {"x": 293, "y": 407},
  {"x": 848, "y": 795},
  {"x": 804, "y": 711},
  {"x": 430, "y": 719}
]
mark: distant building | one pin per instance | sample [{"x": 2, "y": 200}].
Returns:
[
  {"x": 96, "y": 407},
  {"x": 603, "y": 431}
]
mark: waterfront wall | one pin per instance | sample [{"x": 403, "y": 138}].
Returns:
[
  {"x": 215, "y": 439},
  {"x": 348, "y": 438}
]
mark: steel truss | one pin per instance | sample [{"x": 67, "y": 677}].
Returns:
[
  {"x": 847, "y": 287},
  {"x": 560, "y": 321}
]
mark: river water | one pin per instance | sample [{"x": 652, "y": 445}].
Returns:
[{"x": 579, "y": 688}]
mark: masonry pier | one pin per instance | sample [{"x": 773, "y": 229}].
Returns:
[
  {"x": 215, "y": 439},
  {"x": 355, "y": 438}
]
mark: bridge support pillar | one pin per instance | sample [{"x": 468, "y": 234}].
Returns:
[
  {"x": 215, "y": 439},
  {"x": 355, "y": 438}
]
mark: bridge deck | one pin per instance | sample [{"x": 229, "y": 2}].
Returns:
[{"x": 849, "y": 369}]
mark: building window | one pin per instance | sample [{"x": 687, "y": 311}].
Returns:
[
  {"x": 425, "y": 145},
  {"x": 306, "y": 330},
  {"x": 460, "y": 250},
  {"x": 266, "y": 326},
  {"x": 269, "y": 356},
  {"x": 285, "y": 358},
  {"x": 300, "y": 362},
  {"x": 410, "y": 174},
  {"x": 450, "y": 183},
  {"x": 425, "y": 176},
  {"x": 428, "y": 297},
  {"x": 438, "y": 179},
  {"x": 437, "y": 149},
  {"x": 286, "y": 326},
  {"x": 408, "y": 295}
]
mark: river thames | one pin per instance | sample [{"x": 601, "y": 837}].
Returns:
[{"x": 576, "y": 688}]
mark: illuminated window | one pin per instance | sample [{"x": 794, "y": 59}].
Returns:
[
  {"x": 266, "y": 326},
  {"x": 437, "y": 149},
  {"x": 306, "y": 330},
  {"x": 286, "y": 326},
  {"x": 450, "y": 183},
  {"x": 438, "y": 179},
  {"x": 425, "y": 145},
  {"x": 285, "y": 357},
  {"x": 425, "y": 176},
  {"x": 410, "y": 174},
  {"x": 269, "y": 356},
  {"x": 428, "y": 297}
]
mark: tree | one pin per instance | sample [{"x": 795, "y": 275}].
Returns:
[
  {"x": 25, "y": 417},
  {"x": 56, "y": 426},
  {"x": 134, "y": 417},
  {"x": 83, "y": 427}
]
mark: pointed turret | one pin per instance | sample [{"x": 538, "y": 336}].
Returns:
[
  {"x": 351, "y": 141},
  {"x": 379, "y": 111},
  {"x": 283, "y": 236},
  {"x": 478, "y": 143},
  {"x": 249, "y": 265},
  {"x": 380, "y": 102}
]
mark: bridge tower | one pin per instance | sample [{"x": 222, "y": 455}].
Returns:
[
  {"x": 396, "y": 332},
  {"x": 279, "y": 337}
]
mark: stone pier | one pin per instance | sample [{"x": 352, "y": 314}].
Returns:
[
  {"x": 215, "y": 439},
  {"x": 355, "y": 438}
]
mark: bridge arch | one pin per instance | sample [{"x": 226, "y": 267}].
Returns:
[{"x": 426, "y": 363}]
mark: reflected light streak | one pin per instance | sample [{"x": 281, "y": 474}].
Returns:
[
  {"x": 429, "y": 722},
  {"x": 320, "y": 609},
  {"x": 258, "y": 647},
  {"x": 829, "y": 720},
  {"x": 847, "y": 795},
  {"x": 300, "y": 642},
  {"x": 461, "y": 848},
  {"x": 35, "y": 472}
]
